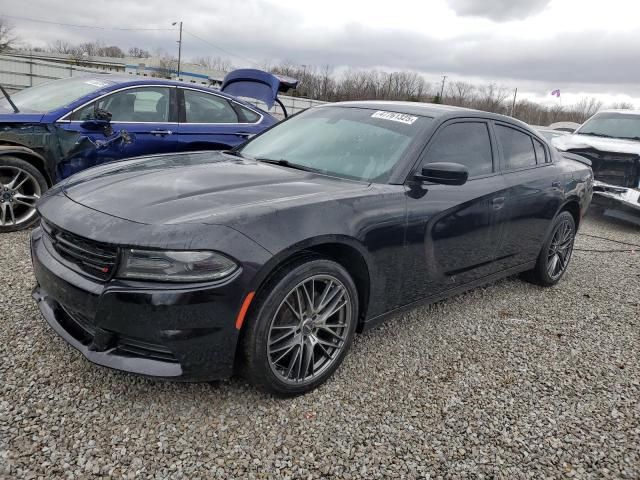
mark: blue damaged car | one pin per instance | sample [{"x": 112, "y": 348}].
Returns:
[{"x": 51, "y": 131}]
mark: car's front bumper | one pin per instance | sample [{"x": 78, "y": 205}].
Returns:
[
  {"x": 617, "y": 197},
  {"x": 172, "y": 331}
]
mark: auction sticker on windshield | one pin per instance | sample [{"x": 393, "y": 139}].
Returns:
[{"x": 395, "y": 117}]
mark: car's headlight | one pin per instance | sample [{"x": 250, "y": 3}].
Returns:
[{"x": 175, "y": 266}]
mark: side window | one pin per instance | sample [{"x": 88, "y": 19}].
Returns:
[
  {"x": 465, "y": 143},
  {"x": 517, "y": 148},
  {"x": 541, "y": 154},
  {"x": 145, "y": 104},
  {"x": 249, "y": 115},
  {"x": 203, "y": 107}
]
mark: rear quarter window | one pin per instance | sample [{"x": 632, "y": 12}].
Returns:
[
  {"x": 541, "y": 154},
  {"x": 517, "y": 148}
]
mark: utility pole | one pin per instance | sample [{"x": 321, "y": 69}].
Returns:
[
  {"x": 444, "y": 77},
  {"x": 179, "y": 47},
  {"x": 513, "y": 105}
]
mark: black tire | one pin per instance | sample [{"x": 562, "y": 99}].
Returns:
[
  {"x": 35, "y": 184},
  {"x": 542, "y": 274},
  {"x": 257, "y": 361}
]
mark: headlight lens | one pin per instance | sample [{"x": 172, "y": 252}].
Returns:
[{"x": 175, "y": 266}]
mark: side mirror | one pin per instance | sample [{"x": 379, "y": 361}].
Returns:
[
  {"x": 95, "y": 124},
  {"x": 100, "y": 120},
  {"x": 444, "y": 173}
]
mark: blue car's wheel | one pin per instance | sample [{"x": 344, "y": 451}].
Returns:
[{"x": 21, "y": 185}]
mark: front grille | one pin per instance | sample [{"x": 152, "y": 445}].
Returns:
[
  {"x": 83, "y": 329},
  {"x": 138, "y": 348},
  {"x": 621, "y": 169},
  {"x": 93, "y": 258}
]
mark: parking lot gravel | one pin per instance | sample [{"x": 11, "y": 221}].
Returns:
[{"x": 507, "y": 381}]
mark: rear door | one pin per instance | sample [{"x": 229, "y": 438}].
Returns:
[
  {"x": 453, "y": 230},
  {"x": 534, "y": 193},
  {"x": 148, "y": 116},
  {"x": 213, "y": 122}
]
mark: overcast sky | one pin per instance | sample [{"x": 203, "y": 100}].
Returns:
[{"x": 582, "y": 47}]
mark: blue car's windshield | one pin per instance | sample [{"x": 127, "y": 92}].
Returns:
[
  {"x": 356, "y": 143},
  {"x": 53, "y": 95}
]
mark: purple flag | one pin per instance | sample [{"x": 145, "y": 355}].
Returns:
[{"x": 556, "y": 92}]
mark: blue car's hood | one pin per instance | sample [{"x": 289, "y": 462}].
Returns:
[{"x": 10, "y": 117}]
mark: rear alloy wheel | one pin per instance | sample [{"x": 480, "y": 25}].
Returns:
[
  {"x": 21, "y": 185},
  {"x": 302, "y": 329},
  {"x": 556, "y": 253}
]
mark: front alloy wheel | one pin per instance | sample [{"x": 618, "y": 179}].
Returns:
[
  {"x": 309, "y": 329},
  {"x": 300, "y": 326}
]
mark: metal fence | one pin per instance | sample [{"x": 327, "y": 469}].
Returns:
[
  {"x": 19, "y": 73},
  {"x": 292, "y": 104}
]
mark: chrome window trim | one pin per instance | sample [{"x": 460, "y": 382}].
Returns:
[
  {"x": 261, "y": 116},
  {"x": 134, "y": 123},
  {"x": 65, "y": 119}
]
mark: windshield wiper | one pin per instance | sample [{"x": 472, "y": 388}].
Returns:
[
  {"x": 593, "y": 134},
  {"x": 287, "y": 163},
  {"x": 6, "y": 95},
  {"x": 233, "y": 152}
]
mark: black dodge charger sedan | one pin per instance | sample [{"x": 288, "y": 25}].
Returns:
[{"x": 266, "y": 259}]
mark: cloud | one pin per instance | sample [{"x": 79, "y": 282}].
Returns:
[
  {"x": 590, "y": 60},
  {"x": 498, "y": 10}
]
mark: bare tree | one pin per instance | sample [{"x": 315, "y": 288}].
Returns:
[
  {"x": 138, "y": 52},
  {"x": 7, "y": 36},
  {"x": 622, "y": 106},
  {"x": 586, "y": 107},
  {"x": 61, "y": 46},
  {"x": 91, "y": 48},
  {"x": 215, "y": 63},
  {"x": 461, "y": 94},
  {"x": 167, "y": 66},
  {"x": 491, "y": 98},
  {"x": 111, "y": 51}
]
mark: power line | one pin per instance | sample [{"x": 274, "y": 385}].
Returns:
[
  {"x": 221, "y": 49},
  {"x": 93, "y": 27}
]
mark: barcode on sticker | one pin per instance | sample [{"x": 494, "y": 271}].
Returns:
[{"x": 395, "y": 117}]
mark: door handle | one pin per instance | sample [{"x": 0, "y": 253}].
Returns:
[
  {"x": 498, "y": 203},
  {"x": 555, "y": 184},
  {"x": 162, "y": 133},
  {"x": 245, "y": 134}
]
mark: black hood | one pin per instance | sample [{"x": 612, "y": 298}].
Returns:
[{"x": 203, "y": 187}]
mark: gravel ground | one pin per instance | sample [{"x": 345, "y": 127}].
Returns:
[{"x": 508, "y": 381}]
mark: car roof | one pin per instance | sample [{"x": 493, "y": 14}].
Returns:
[
  {"x": 433, "y": 110},
  {"x": 120, "y": 80}
]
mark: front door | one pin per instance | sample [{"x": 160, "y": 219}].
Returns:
[
  {"x": 141, "y": 124},
  {"x": 453, "y": 232}
]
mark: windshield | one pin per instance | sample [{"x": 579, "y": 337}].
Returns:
[
  {"x": 354, "y": 143},
  {"x": 613, "y": 124},
  {"x": 53, "y": 95}
]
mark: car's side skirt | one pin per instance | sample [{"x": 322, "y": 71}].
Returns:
[{"x": 375, "y": 321}]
